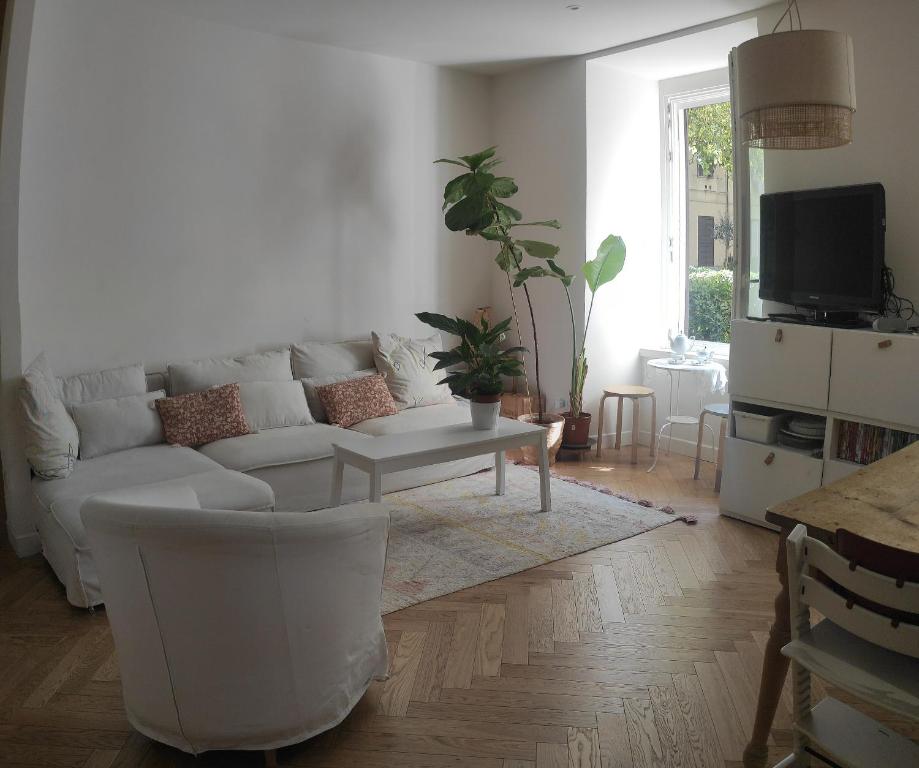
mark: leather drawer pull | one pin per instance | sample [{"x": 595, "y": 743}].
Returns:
[
  {"x": 885, "y": 344},
  {"x": 778, "y": 336},
  {"x": 769, "y": 459}
]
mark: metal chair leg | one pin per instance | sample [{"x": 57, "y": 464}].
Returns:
[
  {"x": 719, "y": 462},
  {"x": 695, "y": 472},
  {"x": 659, "y": 435}
]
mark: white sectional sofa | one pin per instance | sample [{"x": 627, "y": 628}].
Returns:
[{"x": 284, "y": 469}]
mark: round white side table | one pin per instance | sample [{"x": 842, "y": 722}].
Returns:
[{"x": 675, "y": 369}]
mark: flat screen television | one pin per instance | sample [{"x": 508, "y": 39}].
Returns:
[{"x": 824, "y": 248}]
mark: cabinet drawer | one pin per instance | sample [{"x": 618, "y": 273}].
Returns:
[
  {"x": 875, "y": 376},
  {"x": 753, "y": 481},
  {"x": 780, "y": 362}
]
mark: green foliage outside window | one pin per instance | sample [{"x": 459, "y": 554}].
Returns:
[{"x": 710, "y": 300}]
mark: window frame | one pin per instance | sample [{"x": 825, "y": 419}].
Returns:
[{"x": 674, "y": 263}]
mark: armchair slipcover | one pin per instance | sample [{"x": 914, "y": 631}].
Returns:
[{"x": 239, "y": 630}]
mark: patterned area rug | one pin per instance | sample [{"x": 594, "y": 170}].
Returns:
[{"x": 456, "y": 534}]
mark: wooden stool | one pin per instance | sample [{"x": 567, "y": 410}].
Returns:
[
  {"x": 721, "y": 411},
  {"x": 634, "y": 393}
]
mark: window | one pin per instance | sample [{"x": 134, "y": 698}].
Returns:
[
  {"x": 706, "y": 242},
  {"x": 699, "y": 198}
]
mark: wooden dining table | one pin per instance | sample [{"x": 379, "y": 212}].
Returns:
[{"x": 879, "y": 502}]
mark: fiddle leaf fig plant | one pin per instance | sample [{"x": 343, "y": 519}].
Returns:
[
  {"x": 474, "y": 204},
  {"x": 484, "y": 363}
]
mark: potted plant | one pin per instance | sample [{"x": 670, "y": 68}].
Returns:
[
  {"x": 598, "y": 271},
  {"x": 474, "y": 203},
  {"x": 484, "y": 363}
]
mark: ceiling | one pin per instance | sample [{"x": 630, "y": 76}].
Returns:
[
  {"x": 702, "y": 51},
  {"x": 483, "y": 35}
]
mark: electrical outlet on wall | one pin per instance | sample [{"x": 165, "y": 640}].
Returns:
[{"x": 560, "y": 403}]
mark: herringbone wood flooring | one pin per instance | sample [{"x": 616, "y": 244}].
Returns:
[{"x": 642, "y": 653}]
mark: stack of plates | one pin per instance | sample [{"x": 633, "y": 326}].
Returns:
[{"x": 803, "y": 432}]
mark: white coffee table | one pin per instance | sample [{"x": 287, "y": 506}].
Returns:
[{"x": 392, "y": 453}]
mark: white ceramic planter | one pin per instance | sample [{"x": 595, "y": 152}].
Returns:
[{"x": 484, "y": 415}]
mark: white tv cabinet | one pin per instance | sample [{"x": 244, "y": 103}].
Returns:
[{"x": 841, "y": 375}]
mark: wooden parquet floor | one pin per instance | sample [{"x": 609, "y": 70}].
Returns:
[{"x": 642, "y": 653}]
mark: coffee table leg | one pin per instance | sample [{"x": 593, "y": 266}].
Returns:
[
  {"x": 338, "y": 470},
  {"x": 544, "y": 492},
  {"x": 499, "y": 473},
  {"x": 376, "y": 485}
]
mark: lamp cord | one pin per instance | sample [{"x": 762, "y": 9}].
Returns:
[{"x": 791, "y": 18}]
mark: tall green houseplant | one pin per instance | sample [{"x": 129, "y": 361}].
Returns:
[
  {"x": 599, "y": 271},
  {"x": 474, "y": 203}
]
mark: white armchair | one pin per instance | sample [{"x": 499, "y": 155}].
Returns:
[{"x": 239, "y": 630}]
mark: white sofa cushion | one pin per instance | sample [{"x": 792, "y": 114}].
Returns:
[
  {"x": 160, "y": 495},
  {"x": 199, "y": 375},
  {"x": 275, "y": 447},
  {"x": 414, "y": 419},
  {"x": 50, "y": 438},
  {"x": 118, "y": 423},
  {"x": 408, "y": 370},
  {"x": 312, "y": 396},
  {"x": 318, "y": 358},
  {"x": 122, "y": 469},
  {"x": 58, "y": 502},
  {"x": 272, "y": 404},
  {"x": 101, "y": 385}
]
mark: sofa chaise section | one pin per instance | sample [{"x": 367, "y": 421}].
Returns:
[{"x": 57, "y": 503}]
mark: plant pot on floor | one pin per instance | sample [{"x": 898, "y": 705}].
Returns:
[
  {"x": 554, "y": 424},
  {"x": 485, "y": 409},
  {"x": 577, "y": 430}
]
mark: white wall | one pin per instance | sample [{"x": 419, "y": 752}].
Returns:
[
  {"x": 623, "y": 198},
  {"x": 884, "y": 144},
  {"x": 539, "y": 127},
  {"x": 190, "y": 188}
]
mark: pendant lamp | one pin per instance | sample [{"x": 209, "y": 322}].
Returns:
[{"x": 796, "y": 89}]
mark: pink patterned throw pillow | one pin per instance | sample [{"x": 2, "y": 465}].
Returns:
[
  {"x": 203, "y": 417},
  {"x": 348, "y": 402}
]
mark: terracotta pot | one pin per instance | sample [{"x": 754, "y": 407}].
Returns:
[
  {"x": 554, "y": 424},
  {"x": 577, "y": 430}
]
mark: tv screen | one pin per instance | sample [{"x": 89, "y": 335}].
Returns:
[{"x": 823, "y": 248}]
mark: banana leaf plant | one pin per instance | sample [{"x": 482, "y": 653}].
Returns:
[
  {"x": 484, "y": 363},
  {"x": 599, "y": 271},
  {"x": 474, "y": 204}
]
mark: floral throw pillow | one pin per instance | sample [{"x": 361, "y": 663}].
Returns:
[
  {"x": 203, "y": 417},
  {"x": 348, "y": 402}
]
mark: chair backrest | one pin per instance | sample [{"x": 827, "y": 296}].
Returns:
[
  {"x": 239, "y": 629},
  {"x": 813, "y": 569}
]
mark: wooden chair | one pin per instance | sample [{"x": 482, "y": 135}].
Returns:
[
  {"x": 858, "y": 647},
  {"x": 721, "y": 411},
  {"x": 635, "y": 393}
]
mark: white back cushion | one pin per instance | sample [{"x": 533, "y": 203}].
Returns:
[
  {"x": 409, "y": 371},
  {"x": 101, "y": 385},
  {"x": 199, "y": 375},
  {"x": 50, "y": 438},
  {"x": 118, "y": 423},
  {"x": 318, "y": 358},
  {"x": 271, "y": 404}
]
